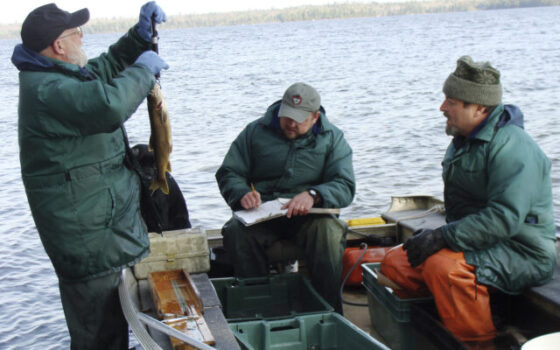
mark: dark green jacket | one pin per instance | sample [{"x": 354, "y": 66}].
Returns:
[
  {"x": 498, "y": 200},
  {"x": 279, "y": 167},
  {"x": 84, "y": 201}
]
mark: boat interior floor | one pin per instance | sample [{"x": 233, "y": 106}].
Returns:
[{"x": 358, "y": 314}]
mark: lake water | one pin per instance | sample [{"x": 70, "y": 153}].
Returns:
[{"x": 380, "y": 81}]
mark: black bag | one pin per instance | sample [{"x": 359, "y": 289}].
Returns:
[
  {"x": 160, "y": 212},
  {"x": 171, "y": 209},
  {"x": 151, "y": 213}
]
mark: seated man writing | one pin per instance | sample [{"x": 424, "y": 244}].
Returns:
[
  {"x": 293, "y": 151},
  {"x": 500, "y": 228}
]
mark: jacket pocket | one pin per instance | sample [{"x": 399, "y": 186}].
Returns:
[{"x": 93, "y": 203}]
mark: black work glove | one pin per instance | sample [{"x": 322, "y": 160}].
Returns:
[{"x": 423, "y": 244}]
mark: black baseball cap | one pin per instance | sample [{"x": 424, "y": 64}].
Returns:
[{"x": 44, "y": 24}]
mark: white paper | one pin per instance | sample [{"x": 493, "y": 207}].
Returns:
[
  {"x": 265, "y": 211},
  {"x": 273, "y": 209}
]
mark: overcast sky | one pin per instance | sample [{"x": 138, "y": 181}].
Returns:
[{"x": 18, "y": 9}]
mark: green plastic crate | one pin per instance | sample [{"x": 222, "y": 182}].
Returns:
[
  {"x": 271, "y": 297},
  {"x": 327, "y": 331},
  {"x": 390, "y": 315}
]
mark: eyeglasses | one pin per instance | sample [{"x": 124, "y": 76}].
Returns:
[{"x": 77, "y": 31}]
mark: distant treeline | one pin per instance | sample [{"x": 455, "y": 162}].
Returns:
[{"x": 302, "y": 13}]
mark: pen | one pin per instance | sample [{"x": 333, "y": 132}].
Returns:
[
  {"x": 253, "y": 189},
  {"x": 255, "y": 195}
]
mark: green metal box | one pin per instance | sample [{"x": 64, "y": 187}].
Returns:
[
  {"x": 390, "y": 315},
  {"x": 271, "y": 297},
  {"x": 327, "y": 331}
]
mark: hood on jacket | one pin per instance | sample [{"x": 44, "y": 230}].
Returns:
[
  {"x": 31, "y": 61},
  {"x": 28, "y": 60},
  {"x": 511, "y": 115}
]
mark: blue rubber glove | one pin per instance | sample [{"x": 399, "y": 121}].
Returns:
[
  {"x": 152, "y": 61},
  {"x": 144, "y": 26}
]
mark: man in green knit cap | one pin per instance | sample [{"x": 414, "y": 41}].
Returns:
[{"x": 500, "y": 228}]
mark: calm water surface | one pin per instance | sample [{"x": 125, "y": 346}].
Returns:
[{"x": 380, "y": 81}]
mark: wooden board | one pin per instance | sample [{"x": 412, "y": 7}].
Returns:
[{"x": 179, "y": 305}]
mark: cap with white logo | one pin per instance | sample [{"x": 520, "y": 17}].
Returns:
[{"x": 298, "y": 101}]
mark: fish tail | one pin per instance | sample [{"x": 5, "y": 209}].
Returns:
[{"x": 159, "y": 184}]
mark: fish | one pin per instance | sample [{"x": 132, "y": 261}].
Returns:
[{"x": 160, "y": 138}]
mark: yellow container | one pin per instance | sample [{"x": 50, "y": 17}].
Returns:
[{"x": 366, "y": 221}]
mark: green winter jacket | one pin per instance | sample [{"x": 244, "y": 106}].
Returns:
[
  {"x": 279, "y": 167},
  {"x": 84, "y": 201},
  {"x": 498, "y": 200}
]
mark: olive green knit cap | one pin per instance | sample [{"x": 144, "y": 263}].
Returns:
[{"x": 474, "y": 82}]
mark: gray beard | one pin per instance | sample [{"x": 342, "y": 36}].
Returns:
[
  {"x": 451, "y": 131},
  {"x": 78, "y": 57}
]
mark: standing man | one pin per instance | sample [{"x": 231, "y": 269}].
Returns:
[
  {"x": 293, "y": 151},
  {"x": 84, "y": 201},
  {"x": 500, "y": 228}
]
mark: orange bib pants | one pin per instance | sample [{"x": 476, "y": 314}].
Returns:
[{"x": 463, "y": 305}]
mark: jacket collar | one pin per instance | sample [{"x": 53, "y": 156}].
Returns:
[
  {"x": 485, "y": 129},
  {"x": 501, "y": 116}
]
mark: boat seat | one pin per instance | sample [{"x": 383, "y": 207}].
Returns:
[
  {"x": 548, "y": 295},
  {"x": 408, "y": 221}
]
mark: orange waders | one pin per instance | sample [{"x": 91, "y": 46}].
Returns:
[{"x": 463, "y": 305}]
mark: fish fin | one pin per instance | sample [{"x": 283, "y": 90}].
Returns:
[
  {"x": 165, "y": 187},
  {"x": 154, "y": 186},
  {"x": 159, "y": 185},
  {"x": 160, "y": 111}
]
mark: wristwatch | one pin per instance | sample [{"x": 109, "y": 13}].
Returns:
[{"x": 313, "y": 194}]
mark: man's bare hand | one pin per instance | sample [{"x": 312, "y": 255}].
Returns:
[
  {"x": 299, "y": 205},
  {"x": 251, "y": 200}
]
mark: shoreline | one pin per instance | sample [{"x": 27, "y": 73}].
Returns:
[{"x": 298, "y": 13}]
